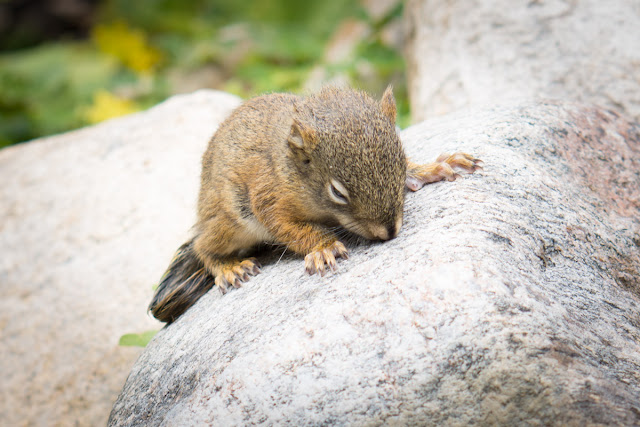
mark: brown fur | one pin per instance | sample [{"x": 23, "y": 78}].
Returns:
[{"x": 276, "y": 170}]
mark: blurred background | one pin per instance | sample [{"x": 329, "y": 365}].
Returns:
[{"x": 70, "y": 63}]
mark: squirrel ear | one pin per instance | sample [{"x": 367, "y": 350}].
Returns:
[
  {"x": 388, "y": 104},
  {"x": 301, "y": 137}
]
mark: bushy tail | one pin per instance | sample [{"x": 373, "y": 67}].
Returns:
[{"x": 184, "y": 282}]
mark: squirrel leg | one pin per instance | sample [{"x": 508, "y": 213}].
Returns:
[
  {"x": 217, "y": 246},
  {"x": 316, "y": 261},
  {"x": 320, "y": 248},
  {"x": 442, "y": 168}
]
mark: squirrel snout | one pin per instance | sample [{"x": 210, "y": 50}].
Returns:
[
  {"x": 385, "y": 232},
  {"x": 380, "y": 232}
]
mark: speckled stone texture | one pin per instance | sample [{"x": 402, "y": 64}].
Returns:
[
  {"x": 88, "y": 222},
  {"x": 510, "y": 296},
  {"x": 466, "y": 53}
]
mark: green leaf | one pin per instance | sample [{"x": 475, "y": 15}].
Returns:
[{"x": 137, "y": 340}]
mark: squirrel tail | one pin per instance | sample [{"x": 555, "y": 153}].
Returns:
[{"x": 184, "y": 282}]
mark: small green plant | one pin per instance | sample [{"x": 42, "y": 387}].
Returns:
[{"x": 137, "y": 339}]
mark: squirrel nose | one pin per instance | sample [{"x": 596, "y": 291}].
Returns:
[
  {"x": 384, "y": 232},
  {"x": 380, "y": 232}
]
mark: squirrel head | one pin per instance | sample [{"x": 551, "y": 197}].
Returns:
[{"x": 345, "y": 147}]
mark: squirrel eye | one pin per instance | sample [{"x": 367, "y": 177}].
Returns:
[{"x": 338, "y": 193}]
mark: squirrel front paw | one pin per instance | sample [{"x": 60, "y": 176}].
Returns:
[
  {"x": 316, "y": 261},
  {"x": 235, "y": 273},
  {"x": 442, "y": 168}
]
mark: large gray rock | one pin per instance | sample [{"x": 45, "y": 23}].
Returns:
[
  {"x": 462, "y": 53},
  {"x": 510, "y": 295},
  {"x": 89, "y": 220}
]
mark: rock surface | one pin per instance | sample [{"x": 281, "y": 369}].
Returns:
[
  {"x": 89, "y": 220},
  {"x": 510, "y": 295},
  {"x": 462, "y": 53}
]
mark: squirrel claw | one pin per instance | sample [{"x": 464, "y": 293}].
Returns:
[
  {"x": 236, "y": 273},
  {"x": 221, "y": 284},
  {"x": 318, "y": 261}
]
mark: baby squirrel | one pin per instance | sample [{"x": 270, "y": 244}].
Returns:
[{"x": 288, "y": 170}]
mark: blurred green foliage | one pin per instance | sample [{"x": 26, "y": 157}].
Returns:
[{"x": 140, "y": 52}]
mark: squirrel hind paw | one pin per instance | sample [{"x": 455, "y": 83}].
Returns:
[
  {"x": 463, "y": 161},
  {"x": 324, "y": 259},
  {"x": 442, "y": 169}
]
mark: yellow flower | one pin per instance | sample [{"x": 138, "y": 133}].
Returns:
[
  {"x": 129, "y": 45},
  {"x": 107, "y": 105}
]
